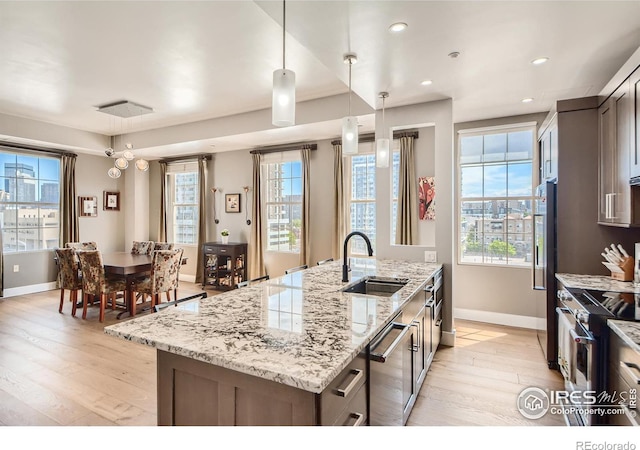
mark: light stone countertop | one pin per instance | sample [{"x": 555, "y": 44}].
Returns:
[
  {"x": 597, "y": 282},
  {"x": 299, "y": 329},
  {"x": 629, "y": 332}
]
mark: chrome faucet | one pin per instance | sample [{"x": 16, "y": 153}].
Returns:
[{"x": 345, "y": 264}]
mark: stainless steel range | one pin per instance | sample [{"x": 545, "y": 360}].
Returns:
[{"x": 583, "y": 346}]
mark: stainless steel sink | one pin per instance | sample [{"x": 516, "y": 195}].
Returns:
[{"x": 381, "y": 286}]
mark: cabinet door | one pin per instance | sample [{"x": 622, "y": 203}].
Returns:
[
  {"x": 553, "y": 151},
  {"x": 622, "y": 198},
  {"x": 606, "y": 124},
  {"x": 634, "y": 88},
  {"x": 545, "y": 155}
]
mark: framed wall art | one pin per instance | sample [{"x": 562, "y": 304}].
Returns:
[
  {"x": 232, "y": 203},
  {"x": 111, "y": 201},
  {"x": 87, "y": 206}
]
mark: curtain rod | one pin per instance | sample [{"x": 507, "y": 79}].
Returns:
[
  {"x": 370, "y": 137},
  {"x": 15, "y": 146},
  {"x": 187, "y": 158},
  {"x": 283, "y": 148}
]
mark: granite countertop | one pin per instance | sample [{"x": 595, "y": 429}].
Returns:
[
  {"x": 597, "y": 282},
  {"x": 299, "y": 329},
  {"x": 629, "y": 332}
]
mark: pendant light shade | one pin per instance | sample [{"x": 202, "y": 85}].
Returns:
[
  {"x": 349, "y": 135},
  {"x": 284, "y": 98},
  {"x": 142, "y": 165},
  {"x": 114, "y": 172},
  {"x": 350, "y": 123},
  {"x": 283, "y": 105},
  {"x": 121, "y": 163},
  {"x": 382, "y": 144}
]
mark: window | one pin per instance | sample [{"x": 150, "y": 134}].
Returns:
[
  {"x": 182, "y": 182},
  {"x": 29, "y": 202},
  {"x": 282, "y": 176},
  {"x": 496, "y": 195},
  {"x": 361, "y": 194},
  {"x": 395, "y": 183}
]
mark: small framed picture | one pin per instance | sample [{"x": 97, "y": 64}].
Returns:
[
  {"x": 111, "y": 201},
  {"x": 232, "y": 203},
  {"x": 88, "y": 206}
]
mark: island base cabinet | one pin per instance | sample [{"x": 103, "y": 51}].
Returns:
[{"x": 192, "y": 393}]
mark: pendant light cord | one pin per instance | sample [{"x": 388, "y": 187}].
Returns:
[
  {"x": 349, "y": 87},
  {"x": 383, "y": 130},
  {"x": 284, "y": 23}
]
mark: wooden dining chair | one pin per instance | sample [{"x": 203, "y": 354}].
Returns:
[
  {"x": 68, "y": 276},
  {"x": 142, "y": 247},
  {"x": 165, "y": 268},
  {"x": 255, "y": 280},
  {"x": 324, "y": 261},
  {"x": 95, "y": 282},
  {"x": 296, "y": 269}
]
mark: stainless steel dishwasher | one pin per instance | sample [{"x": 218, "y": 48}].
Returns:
[{"x": 392, "y": 386}]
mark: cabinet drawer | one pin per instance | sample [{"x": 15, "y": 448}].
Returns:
[
  {"x": 217, "y": 249},
  {"x": 342, "y": 390},
  {"x": 355, "y": 412}
]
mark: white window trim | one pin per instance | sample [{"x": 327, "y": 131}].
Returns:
[
  {"x": 366, "y": 148},
  {"x": 173, "y": 169},
  {"x": 497, "y": 129},
  {"x": 275, "y": 158}
]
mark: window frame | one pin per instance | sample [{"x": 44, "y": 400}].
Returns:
[
  {"x": 534, "y": 160},
  {"x": 17, "y": 204},
  {"x": 278, "y": 158},
  {"x": 172, "y": 171},
  {"x": 364, "y": 148}
]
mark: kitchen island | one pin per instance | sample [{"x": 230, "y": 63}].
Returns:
[{"x": 274, "y": 352}]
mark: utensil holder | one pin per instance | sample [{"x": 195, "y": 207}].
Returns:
[{"x": 622, "y": 271}]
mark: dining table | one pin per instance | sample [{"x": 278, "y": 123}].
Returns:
[{"x": 130, "y": 267}]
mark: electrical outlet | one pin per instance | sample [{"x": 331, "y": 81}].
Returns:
[
  {"x": 16, "y": 268},
  {"x": 430, "y": 256}
]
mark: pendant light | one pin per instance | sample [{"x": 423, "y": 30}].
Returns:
[
  {"x": 283, "y": 106},
  {"x": 350, "y": 123},
  {"x": 382, "y": 144}
]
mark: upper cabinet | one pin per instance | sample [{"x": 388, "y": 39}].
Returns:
[
  {"x": 634, "y": 88},
  {"x": 548, "y": 143},
  {"x": 618, "y": 157}
]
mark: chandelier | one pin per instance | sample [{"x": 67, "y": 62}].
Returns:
[{"x": 124, "y": 109}]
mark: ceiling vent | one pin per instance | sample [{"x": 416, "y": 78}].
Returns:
[{"x": 125, "y": 109}]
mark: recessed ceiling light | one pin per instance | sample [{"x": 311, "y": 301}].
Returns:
[
  {"x": 426, "y": 82},
  {"x": 527, "y": 100},
  {"x": 398, "y": 27},
  {"x": 539, "y": 61}
]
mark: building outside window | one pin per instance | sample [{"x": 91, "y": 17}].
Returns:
[
  {"x": 496, "y": 195},
  {"x": 182, "y": 182},
  {"x": 29, "y": 202},
  {"x": 282, "y": 175},
  {"x": 360, "y": 186}
]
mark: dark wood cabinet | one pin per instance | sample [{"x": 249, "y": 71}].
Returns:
[
  {"x": 623, "y": 376},
  {"x": 634, "y": 89},
  {"x": 548, "y": 143},
  {"x": 225, "y": 265}
]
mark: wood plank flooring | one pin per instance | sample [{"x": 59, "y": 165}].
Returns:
[{"x": 60, "y": 370}]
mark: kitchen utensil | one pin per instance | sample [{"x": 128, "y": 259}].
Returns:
[
  {"x": 623, "y": 251},
  {"x": 616, "y": 252},
  {"x": 614, "y": 258},
  {"x": 604, "y": 255}
]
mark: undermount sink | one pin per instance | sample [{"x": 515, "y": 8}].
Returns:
[{"x": 381, "y": 286}]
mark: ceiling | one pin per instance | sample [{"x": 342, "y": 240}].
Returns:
[{"x": 195, "y": 61}]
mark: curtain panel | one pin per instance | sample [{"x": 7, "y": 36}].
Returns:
[
  {"x": 69, "y": 229},
  {"x": 256, "y": 255},
  {"x": 339, "y": 203},
  {"x": 407, "y": 220},
  {"x": 305, "y": 247},
  {"x": 162, "y": 222},
  {"x": 202, "y": 215}
]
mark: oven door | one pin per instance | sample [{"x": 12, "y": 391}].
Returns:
[{"x": 575, "y": 359}]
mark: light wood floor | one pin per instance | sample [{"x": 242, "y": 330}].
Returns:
[{"x": 60, "y": 370}]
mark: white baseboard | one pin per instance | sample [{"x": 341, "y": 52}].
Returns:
[
  {"x": 31, "y": 289},
  {"x": 188, "y": 278},
  {"x": 513, "y": 320}
]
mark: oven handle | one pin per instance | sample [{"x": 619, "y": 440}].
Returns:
[
  {"x": 626, "y": 370},
  {"x": 584, "y": 340},
  {"x": 382, "y": 357}
]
